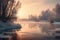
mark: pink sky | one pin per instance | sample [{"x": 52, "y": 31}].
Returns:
[{"x": 34, "y": 7}]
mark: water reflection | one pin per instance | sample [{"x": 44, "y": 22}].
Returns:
[{"x": 35, "y": 30}]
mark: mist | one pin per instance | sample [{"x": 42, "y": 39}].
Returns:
[{"x": 48, "y": 14}]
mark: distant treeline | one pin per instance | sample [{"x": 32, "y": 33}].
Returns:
[{"x": 48, "y": 14}]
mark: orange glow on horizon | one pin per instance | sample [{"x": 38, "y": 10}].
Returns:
[{"x": 32, "y": 8}]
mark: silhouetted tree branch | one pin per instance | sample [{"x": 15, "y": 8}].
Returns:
[{"x": 8, "y": 10}]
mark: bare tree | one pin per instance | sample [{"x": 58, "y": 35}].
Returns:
[
  {"x": 33, "y": 18},
  {"x": 57, "y": 11},
  {"x": 8, "y": 10}
]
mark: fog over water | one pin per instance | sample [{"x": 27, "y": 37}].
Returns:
[{"x": 36, "y": 30}]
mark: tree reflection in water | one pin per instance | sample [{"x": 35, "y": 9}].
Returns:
[{"x": 35, "y": 31}]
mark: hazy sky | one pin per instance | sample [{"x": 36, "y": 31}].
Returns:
[{"x": 35, "y": 7}]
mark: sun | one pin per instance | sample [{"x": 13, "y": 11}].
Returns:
[{"x": 21, "y": 13}]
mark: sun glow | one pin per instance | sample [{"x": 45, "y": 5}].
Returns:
[
  {"x": 32, "y": 8},
  {"x": 22, "y": 13}
]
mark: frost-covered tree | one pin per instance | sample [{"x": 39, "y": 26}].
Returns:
[
  {"x": 57, "y": 11},
  {"x": 8, "y": 10},
  {"x": 47, "y": 15}
]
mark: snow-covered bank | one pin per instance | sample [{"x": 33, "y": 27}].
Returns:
[{"x": 7, "y": 27}]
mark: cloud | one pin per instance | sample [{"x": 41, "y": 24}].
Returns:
[
  {"x": 52, "y": 1},
  {"x": 40, "y": 1},
  {"x": 31, "y": 1},
  {"x": 36, "y": 6}
]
